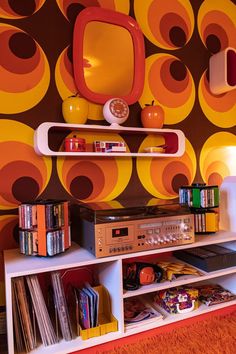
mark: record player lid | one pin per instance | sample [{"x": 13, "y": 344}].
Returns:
[
  {"x": 131, "y": 203},
  {"x": 132, "y": 208}
]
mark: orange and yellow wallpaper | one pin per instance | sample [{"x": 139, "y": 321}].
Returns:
[{"x": 36, "y": 75}]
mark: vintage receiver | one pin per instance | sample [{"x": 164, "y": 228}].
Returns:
[{"x": 112, "y": 228}]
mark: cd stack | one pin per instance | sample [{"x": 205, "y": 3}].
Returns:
[
  {"x": 44, "y": 228},
  {"x": 203, "y": 201}
]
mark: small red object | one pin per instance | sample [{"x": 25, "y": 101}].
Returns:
[{"x": 74, "y": 144}]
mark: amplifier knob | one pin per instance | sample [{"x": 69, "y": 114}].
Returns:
[
  {"x": 149, "y": 231},
  {"x": 186, "y": 237},
  {"x": 186, "y": 227}
]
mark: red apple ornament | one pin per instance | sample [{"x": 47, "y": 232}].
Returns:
[{"x": 152, "y": 116}]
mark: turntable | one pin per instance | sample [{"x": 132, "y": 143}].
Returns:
[{"x": 120, "y": 227}]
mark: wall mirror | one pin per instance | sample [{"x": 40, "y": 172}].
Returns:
[{"x": 108, "y": 56}]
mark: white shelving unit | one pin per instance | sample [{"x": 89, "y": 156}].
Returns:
[
  {"x": 175, "y": 139},
  {"x": 109, "y": 272}
]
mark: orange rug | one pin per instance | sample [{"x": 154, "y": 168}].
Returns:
[{"x": 214, "y": 335}]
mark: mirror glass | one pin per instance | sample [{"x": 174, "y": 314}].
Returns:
[{"x": 108, "y": 56}]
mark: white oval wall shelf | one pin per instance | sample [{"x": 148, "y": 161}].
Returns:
[
  {"x": 222, "y": 71},
  {"x": 174, "y": 139}
]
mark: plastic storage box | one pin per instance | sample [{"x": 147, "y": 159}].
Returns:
[
  {"x": 208, "y": 258},
  {"x": 107, "y": 322}
]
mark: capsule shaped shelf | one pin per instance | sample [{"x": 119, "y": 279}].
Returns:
[
  {"x": 222, "y": 71},
  {"x": 174, "y": 140}
]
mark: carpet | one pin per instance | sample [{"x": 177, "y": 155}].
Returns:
[{"x": 213, "y": 335}]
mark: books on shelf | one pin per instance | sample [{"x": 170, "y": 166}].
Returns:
[
  {"x": 23, "y": 323},
  {"x": 46, "y": 329},
  {"x": 44, "y": 311},
  {"x": 32, "y": 316},
  {"x": 61, "y": 306},
  {"x": 87, "y": 303},
  {"x": 212, "y": 294}
]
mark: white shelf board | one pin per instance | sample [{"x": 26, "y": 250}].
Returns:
[
  {"x": 44, "y": 128},
  {"x": 17, "y": 264},
  {"x": 42, "y": 148},
  {"x": 76, "y": 344},
  {"x": 103, "y": 154}
]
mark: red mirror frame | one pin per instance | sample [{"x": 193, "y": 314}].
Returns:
[{"x": 116, "y": 18}]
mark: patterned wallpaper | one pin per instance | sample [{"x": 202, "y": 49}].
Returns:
[{"x": 36, "y": 75}]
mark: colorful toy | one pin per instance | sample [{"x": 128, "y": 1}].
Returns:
[{"x": 178, "y": 300}]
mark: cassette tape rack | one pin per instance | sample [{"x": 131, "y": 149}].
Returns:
[
  {"x": 203, "y": 201},
  {"x": 44, "y": 228}
]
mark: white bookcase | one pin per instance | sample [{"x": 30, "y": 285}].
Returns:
[
  {"x": 174, "y": 139},
  {"x": 109, "y": 272}
]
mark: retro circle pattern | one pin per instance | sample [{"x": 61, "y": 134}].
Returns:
[
  {"x": 66, "y": 85},
  {"x": 13, "y": 9},
  {"x": 64, "y": 74},
  {"x": 8, "y": 232},
  {"x": 94, "y": 179},
  {"x": 168, "y": 24},
  {"x": 23, "y": 174},
  {"x": 170, "y": 84},
  {"x": 24, "y": 71},
  {"x": 70, "y": 8},
  {"x": 219, "y": 109},
  {"x": 216, "y": 24},
  {"x": 217, "y": 158},
  {"x": 163, "y": 177}
]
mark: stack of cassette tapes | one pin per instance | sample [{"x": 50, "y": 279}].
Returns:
[
  {"x": 44, "y": 227},
  {"x": 203, "y": 201}
]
